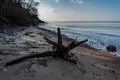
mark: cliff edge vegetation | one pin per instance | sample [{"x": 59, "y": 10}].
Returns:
[{"x": 19, "y": 12}]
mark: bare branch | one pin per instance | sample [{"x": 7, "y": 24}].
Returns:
[
  {"x": 68, "y": 47},
  {"x": 73, "y": 45},
  {"x": 50, "y": 42},
  {"x": 59, "y": 36},
  {"x": 18, "y": 60}
]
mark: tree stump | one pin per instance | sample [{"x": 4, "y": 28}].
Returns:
[{"x": 60, "y": 51}]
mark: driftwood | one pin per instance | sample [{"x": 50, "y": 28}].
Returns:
[
  {"x": 44, "y": 54},
  {"x": 60, "y": 51}
]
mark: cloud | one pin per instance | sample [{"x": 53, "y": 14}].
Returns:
[
  {"x": 38, "y": 0},
  {"x": 57, "y": 0},
  {"x": 77, "y": 1},
  {"x": 48, "y": 13},
  {"x": 80, "y": 2}
]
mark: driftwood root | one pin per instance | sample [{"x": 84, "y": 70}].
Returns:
[{"x": 60, "y": 51}]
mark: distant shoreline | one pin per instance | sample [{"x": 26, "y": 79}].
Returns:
[
  {"x": 100, "y": 35},
  {"x": 84, "y": 21}
]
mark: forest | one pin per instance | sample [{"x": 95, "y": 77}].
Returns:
[{"x": 19, "y": 12}]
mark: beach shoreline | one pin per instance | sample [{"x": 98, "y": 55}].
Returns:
[
  {"x": 99, "y": 34},
  {"x": 93, "y": 64}
]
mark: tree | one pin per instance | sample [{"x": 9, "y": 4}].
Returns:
[{"x": 19, "y": 12}]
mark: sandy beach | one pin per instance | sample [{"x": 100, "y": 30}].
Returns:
[{"x": 92, "y": 64}]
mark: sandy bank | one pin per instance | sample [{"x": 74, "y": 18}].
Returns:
[{"x": 92, "y": 64}]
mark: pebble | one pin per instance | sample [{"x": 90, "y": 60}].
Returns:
[{"x": 3, "y": 69}]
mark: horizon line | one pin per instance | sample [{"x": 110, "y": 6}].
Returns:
[{"x": 83, "y": 21}]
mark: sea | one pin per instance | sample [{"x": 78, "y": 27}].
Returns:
[{"x": 99, "y": 33}]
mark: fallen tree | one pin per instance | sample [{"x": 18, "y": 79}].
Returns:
[{"x": 60, "y": 51}]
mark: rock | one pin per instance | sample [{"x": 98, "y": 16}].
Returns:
[
  {"x": 111, "y": 48},
  {"x": 26, "y": 34},
  {"x": 3, "y": 69}
]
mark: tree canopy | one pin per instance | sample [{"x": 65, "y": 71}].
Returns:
[{"x": 19, "y": 12}]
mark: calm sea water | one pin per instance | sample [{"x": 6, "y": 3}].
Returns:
[{"x": 99, "y": 33}]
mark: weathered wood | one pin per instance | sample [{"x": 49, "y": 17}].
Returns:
[
  {"x": 73, "y": 45},
  {"x": 59, "y": 37},
  {"x": 50, "y": 42},
  {"x": 60, "y": 47},
  {"x": 68, "y": 47},
  {"x": 69, "y": 60},
  {"x": 60, "y": 51},
  {"x": 18, "y": 60}
]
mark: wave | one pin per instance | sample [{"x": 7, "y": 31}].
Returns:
[
  {"x": 97, "y": 39},
  {"x": 109, "y": 35}
]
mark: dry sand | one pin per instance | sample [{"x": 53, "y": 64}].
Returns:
[{"x": 92, "y": 64}]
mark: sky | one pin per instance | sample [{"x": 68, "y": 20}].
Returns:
[{"x": 79, "y": 10}]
